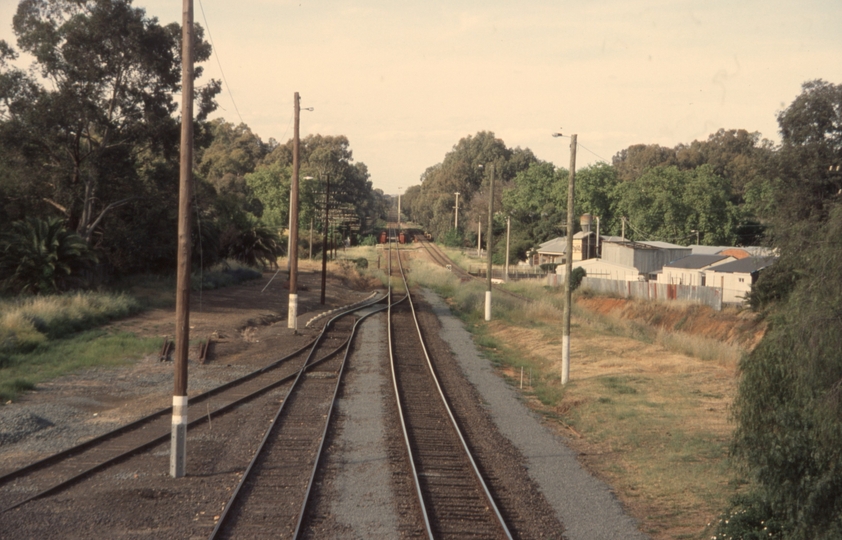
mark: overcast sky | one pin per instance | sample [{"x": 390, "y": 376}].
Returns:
[{"x": 404, "y": 81}]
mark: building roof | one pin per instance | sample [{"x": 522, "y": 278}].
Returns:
[
  {"x": 582, "y": 234},
  {"x": 707, "y": 250},
  {"x": 749, "y": 265},
  {"x": 696, "y": 262},
  {"x": 749, "y": 251},
  {"x": 662, "y": 245},
  {"x": 556, "y": 245}
]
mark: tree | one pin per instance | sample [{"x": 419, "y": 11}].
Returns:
[
  {"x": 234, "y": 152},
  {"x": 104, "y": 98},
  {"x": 669, "y": 204},
  {"x": 788, "y": 435},
  {"x": 632, "y": 162},
  {"x": 270, "y": 184},
  {"x": 595, "y": 187},
  {"x": 465, "y": 169}
]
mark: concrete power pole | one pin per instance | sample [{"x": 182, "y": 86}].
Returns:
[
  {"x": 508, "y": 236},
  {"x": 479, "y": 238},
  {"x": 292, "y": 316},
  {"x": 456, "y": 226},
  {"x": 178, "y": 438},
  {"x": 568, "y": 291},
  {"x": 489, "y": 241}
]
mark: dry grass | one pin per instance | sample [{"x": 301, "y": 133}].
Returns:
[{"x": 646, "y": 405}]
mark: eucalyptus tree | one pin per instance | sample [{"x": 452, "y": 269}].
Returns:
[{"x": 97, "y": 109}]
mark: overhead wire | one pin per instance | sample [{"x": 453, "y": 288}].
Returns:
[{"x": 219, "y": 62}]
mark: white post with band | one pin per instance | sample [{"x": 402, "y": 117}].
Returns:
[{"x": 178, "y": 439}]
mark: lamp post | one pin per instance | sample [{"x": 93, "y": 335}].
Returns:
[
  {"x": 399, "y": 208},
  {"x": 568, "y": 256}
]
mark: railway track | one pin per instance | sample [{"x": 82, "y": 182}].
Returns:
[
  {"x": 440, "y": 257},
  {"x": 59, "y": 471},
  {"x": 453, "y": 496},
  {"x": 271, "y": 497}
]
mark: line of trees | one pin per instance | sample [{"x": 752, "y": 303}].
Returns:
[
  {"x": 719, "y": 187},
  {"x": 734, "y": 188},
  {"x": 89, "y": 144}
]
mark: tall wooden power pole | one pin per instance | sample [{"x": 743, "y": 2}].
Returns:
[
  {"x": 293, "y": 224},
  {"x": 489, "y": 241},
  {"x": 178, "y": 439},
  {"x": 568, "y": 291}
]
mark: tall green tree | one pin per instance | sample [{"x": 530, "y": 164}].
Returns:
[
  {"x": 789, "y": 404},
  {"x": 100, "y": 96}
]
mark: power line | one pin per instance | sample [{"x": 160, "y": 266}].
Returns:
[
  {"x": 580, "y": 145},
  {"x": 219, "y": 63}
]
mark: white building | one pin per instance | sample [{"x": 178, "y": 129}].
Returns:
[
  {"x": 736, "y": 278},
  {"x": 690, "y": 270}
]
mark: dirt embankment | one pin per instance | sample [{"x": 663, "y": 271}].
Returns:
[{"x": 731, "y": 325}]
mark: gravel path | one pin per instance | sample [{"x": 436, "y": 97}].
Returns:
[
  {"x": 584, "y": 504},
  {"x": 363, "y": 503}
]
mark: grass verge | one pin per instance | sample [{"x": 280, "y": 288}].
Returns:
[
  {"x": 22, "y": 371},
  {"x": 645, "y": 407}
]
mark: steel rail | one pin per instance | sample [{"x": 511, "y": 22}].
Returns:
[
  {"x": 305, "y": 366},
  {"x": 72, "y": 451},
  {"x": 440, "y": 257},
  {"x": 492, "y": 503},
  {"x": 318, "y": 459},
  {"x": 413, "y": 466}
]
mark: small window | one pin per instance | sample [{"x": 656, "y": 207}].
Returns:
[{"x": 742, "y": 280}]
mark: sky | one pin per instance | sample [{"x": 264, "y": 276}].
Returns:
[{"x": 405, "y": 81}]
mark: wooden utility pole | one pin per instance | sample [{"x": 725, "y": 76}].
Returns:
[
  {"x": 178, "y": 439},
  {"x": 489, "y": 241},
  {"x": 324, "y": 238},
  {"x": 292, "y": 317},
  {"x": 312, "y": 219},
  {"x": 568, "y": 256}
]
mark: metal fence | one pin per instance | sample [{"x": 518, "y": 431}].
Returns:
[{"x": 649, "y": 290}]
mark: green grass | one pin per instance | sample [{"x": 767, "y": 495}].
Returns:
[{"x": 91, "y": 349}]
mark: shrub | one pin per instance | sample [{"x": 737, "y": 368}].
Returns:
[
  {"x": 576, "y": 277},
  {"x": 256, "y": 246},
  {"x": 41, "y": 257},
  {"x": 369, "y": 240}
]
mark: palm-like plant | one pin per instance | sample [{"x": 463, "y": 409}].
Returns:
[
  {"x": 256, "y": 246},
  {"x": 41, "y": 256}
]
